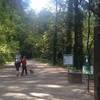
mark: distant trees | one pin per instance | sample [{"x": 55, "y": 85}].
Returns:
[{"x": 43, "y": 35}]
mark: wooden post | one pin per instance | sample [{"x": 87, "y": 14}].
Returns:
[{"x": 97, "y": 62}]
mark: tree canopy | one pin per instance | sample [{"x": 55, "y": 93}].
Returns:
[{"x": 37, "y": 34}]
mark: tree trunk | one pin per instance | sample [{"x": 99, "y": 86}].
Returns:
[
  {"x": 97, "y": 62},
  {"x": 69, "y": 28},
  {"x": 97, "y": 51},
  {"x": 55, "y": 38},
  {"x": 78, "y": 45}
]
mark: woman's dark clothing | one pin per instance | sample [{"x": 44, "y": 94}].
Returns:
[
  {"x": 17, "y": 65},
  {"x": 24, "y": 67},
  {"x": 24, "y": 70},
  {"x": 17, "y": 61}
]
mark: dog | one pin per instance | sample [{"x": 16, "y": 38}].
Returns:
[{"x": 31, "y": 71}]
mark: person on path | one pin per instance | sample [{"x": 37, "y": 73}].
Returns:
[
  {"x": 24, "y": 67},
  {"x": 17, "y": 63}
]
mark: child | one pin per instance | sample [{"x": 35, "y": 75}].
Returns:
[{"x": 24, "y": 67}]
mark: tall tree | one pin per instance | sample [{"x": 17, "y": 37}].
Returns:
[
  {"x": 69, "y": 28},
  {"x": 55, "y": 35},
  {"x": 78, "y": 44}
]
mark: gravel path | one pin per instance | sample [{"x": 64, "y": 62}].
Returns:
[{"x": 46, "y": 83}]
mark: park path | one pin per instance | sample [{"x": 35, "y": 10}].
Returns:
[{"x": 47, "y": 83}]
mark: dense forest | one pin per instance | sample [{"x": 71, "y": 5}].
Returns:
[{"x": 64, "y": 28}]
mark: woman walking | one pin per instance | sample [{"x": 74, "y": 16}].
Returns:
[
  {"x": 17, "y": 63},
  {"x": 24, "y": 67}
]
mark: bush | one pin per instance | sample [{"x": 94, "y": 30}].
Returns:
[{"x": 5, "y": 57}]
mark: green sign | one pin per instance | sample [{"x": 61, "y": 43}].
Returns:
[{"x": 87, "y": 69}]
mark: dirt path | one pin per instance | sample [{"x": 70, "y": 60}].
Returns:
[{"x": 47, "y": 83}]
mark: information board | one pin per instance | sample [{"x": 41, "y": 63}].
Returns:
[{"x": 68, "y": 59}]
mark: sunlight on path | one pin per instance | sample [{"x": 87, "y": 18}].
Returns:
[{"x": 46, "y": 83}]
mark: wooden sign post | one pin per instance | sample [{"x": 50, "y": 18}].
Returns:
[{"x": 97, "y": 62}]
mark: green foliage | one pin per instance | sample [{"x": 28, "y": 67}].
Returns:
[
  {"x": 33, "y": 34},
  {"x": 7, "y": 44}
]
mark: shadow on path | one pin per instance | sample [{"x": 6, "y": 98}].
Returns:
[{"x": 47, "y": 83}]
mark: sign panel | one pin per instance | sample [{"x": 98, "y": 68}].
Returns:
[
  {"x": 87, "y": 69},
  {"x": 68, "y": 59}
]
